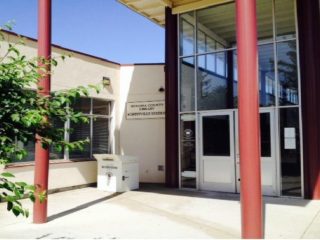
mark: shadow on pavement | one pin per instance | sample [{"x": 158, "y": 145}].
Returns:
[{"x": 81, "y": 207}]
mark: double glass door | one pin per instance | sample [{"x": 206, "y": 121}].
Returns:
[{"x": 219, "y": 152}]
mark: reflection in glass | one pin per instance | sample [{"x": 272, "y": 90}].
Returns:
[
  {"x": 218, "y": 23},
  {"x": 30, "y": 148},
  {"x": 188, "y": 151},
  {"x": 100, "y": 141},
  {"x": 80, "y": 131},
  {"x": 215, "y": 81},
  {"x": 264, "y": 19},
  {"x": 285, "y": 19},
  {"x": 216, "y": 136},
  {"x": 187, "y": 97},
  {"x": 100, "y": 107},
  {"x": 210, "y": 44},
  {"x": 266, "y": 75},
  {"x": 59, "y": 126},
  {"x": 82, "y": 105},
  {"x": 201, "y": 42},
  {"x": 287, "y": 73},
  {"x": 265, "y": 130},
  {"x": 290, "y": 152},
  {"x": 186, "y": 34}
]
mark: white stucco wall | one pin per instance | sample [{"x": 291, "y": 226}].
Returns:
[
  {"x": 79, "y": 69},
  {"x": 144, "y": 138},
  {"x": 61, "y": 175},
  {"x": 141, "y": 138}
]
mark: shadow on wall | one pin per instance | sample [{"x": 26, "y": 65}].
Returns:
[{"x": 144, "y": 138}]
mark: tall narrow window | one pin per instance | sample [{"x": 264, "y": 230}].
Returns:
[{"x": 188, "y": 151}]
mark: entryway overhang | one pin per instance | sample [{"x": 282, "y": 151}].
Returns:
[{"x": 155, "y": 10}]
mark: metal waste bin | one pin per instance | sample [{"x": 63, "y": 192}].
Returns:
[{"x": 117, "y": 173}]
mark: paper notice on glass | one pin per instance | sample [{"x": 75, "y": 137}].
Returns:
[
  {"x": 290, "y": 133},
  {"x": 289, "y": 138}
]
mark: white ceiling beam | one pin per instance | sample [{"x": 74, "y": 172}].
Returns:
[{"x": 166, "y": 3}]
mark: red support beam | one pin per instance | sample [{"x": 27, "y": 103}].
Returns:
[
  {"x": 309, "y": 38},
  {"x": 42, "y": 155},
  {"x": 249, "y": 131}
]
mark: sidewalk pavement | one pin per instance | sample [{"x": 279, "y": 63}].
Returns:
[{"x": 157, "y": 212}]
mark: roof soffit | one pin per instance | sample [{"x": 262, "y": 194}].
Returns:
[{"x": 154, "y": 10}]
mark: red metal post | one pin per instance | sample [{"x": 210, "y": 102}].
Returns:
[
  {"x": 249, "y": 131},
  {"x": 42, "y": 155}
]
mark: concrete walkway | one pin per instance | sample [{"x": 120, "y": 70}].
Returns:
[{"x": 156, "y": 212}]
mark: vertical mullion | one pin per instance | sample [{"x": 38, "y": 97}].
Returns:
[
  {"x": 91, "y": 127},
  {"x": 196, "y": 97},
  {"x": 277, "y": 113},
  {"x": 178, "y": 61}
]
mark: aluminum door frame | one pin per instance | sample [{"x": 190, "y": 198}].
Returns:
[
  {"x": 218, "y": 187},
  {"x": 267, "y": 191}
]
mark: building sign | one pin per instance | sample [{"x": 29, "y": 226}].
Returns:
[{"x": 145, "y": 110}]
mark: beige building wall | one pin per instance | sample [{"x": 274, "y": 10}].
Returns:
[
  {"x": 144, "y": 138},
  {"x": 141, "y": 138},
  {"x": 62, "y": 174}
]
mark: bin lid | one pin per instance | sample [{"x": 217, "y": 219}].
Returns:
[{"x": 115, "y": 157}]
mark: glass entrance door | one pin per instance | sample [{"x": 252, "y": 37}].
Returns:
[
  {"x": 268, "y": 153},
  {"x": 217, "y": 159},
  {"x": 219, "y": 152}
]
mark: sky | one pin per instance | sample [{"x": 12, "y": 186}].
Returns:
[{"x": 103, "y": 28}]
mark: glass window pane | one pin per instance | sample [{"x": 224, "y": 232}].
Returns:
[
  {"x": 80, "y": 131},
  {"x": 187, "y": 84},
  {"x": 210, "y": 62},
  {"x": 221, "y": 64},
  {"x": 288, "y": 73},
  {"x": 201, "y": 42},
  {"x": 186, "y": 34},
  {"x": 234, "y": 68},
  {"x": 211, "y": 44},
  {"x": 290, "y": 152},
  {"x": 215, "y": 81},
  {"x": 30, "y": 148},
  {"x": 54, "y": 154},
  {"x": 264, "y": 20},
  {"x": 188, "y": 151},
  {"x": 266, "y": 75},
  {"x": 82, "y": 105},
  {"x": 265, "y": 130},
  {"x": 216, "y": 136},
  {"x": 218, "y": 23},
  {"x": 100, "y": 107},
  {"x": 285, "y": 19},
  {"x": 100, "y": 141}
]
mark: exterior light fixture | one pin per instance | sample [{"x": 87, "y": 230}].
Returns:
[{"x": 106, "y": 81}]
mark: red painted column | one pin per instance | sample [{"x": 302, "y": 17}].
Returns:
[
  {"x": 42, "y": 155},
  {"x": 249, "y": 130}
]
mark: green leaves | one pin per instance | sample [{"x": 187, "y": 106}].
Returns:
[
  {"x": 7, "y": 175},
  {"x": 15, "y": 117},
  {"x": 14, "y": 192},
  {"x": 25, "y": 113}
]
